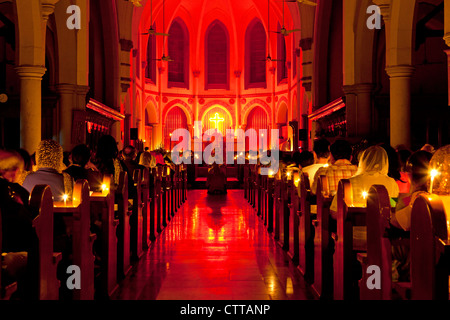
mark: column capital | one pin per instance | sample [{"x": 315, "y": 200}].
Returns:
[
  {"x": 31, "y": 72},
  {"x": 401, "y": 71},
  {"x": 48, "y": 7},
  {"x": 385, "y": 7}
]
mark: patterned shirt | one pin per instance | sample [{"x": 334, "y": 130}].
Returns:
[{"x": 341, "y": 169}]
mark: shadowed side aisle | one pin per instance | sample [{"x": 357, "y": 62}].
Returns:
[{"x": 215, "y": 248}]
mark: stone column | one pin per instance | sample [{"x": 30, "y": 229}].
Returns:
[
  {"x": 67, "y": 101},
  {"x": 30, "y": 106},
  {"x": 359, "y": 109},
  {"x": 400, "y": 96}
]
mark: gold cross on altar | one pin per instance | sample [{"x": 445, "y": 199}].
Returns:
[{"x": 217, "y": 119}]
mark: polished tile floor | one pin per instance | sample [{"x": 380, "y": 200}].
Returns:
[{"x": 215, "y": 248}]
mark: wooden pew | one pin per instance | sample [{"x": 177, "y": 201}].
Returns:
[
  {"x": 146, "y": 200},
  {"x": 160, "y": 191},
  {"x": 123, "y": 214},
  {"x": 305, "y": 228},
  {"x": 154, "y": 198},
  {"x": 258, "y": 188},
  {"x": 348, "y": 216},
  {"x": 284, "y": 214},
  {"x": 323, "y": 257},
  {"x": 294, "y": 220},
  {"x": 136, "y": 218},
  {"x": 165, "y": 190},
  {"x": 6, "y": 290},
  {"x": 379, "y": 247},
  {"x": 77, "y": 217},
  {"x": 270, "y": 202},
  {"x": 246, "y": 181},
  {"x": 277, "y": 208},
  {"x": 102, "y": 204},
  {"x": 41, "y": 203},
  {"x": 430, "y": 248}
]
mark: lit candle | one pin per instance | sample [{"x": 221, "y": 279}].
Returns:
[
  {"x": 65, "y": 197},
  {"x": 433, "y": 173},
  {"x": 288, "y": 175},
  {"x": 365, "y": 195},
  {"x": 271, "y": 174}
]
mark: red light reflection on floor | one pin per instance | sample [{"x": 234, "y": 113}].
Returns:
[{"x": 215, "y": 248}]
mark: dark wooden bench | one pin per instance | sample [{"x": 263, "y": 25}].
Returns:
[
  {"x": 102, "y": 209},
  {"x": 6, "y": 289},
  {"x": 123, "y": 213},
  {"x": 379, "y": 248},
  {"x": 323, "y": 257},
  {"x": 294, "y": 220},
  {"x": 136, "y": 248},
  {"x": 76, "y": 214},
  {"x": 430, "y": 248},
  {"x": 304, "y": 227},
  {"x": 147, "y": 201},
  {"x": 41, "y": 203},
  {"x": 154, "y": 198},
  {"x": 348, "y": 216}
]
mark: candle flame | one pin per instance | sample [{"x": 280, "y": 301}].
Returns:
[
  {"x": 434, "y": 173},
  {"x": 365, "y": 195}
]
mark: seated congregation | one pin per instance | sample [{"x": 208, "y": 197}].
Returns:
[
  {"x": 72, "y": 224},
  {"x": 360, "y": 222}
]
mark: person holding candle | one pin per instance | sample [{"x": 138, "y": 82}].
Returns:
[
  {"x": 418, "y": 168},
  {"x": 372, "y": 170},
  {"x": 49, "y": 162}
]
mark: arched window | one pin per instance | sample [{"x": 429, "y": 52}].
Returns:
[
  {"x": 281, "y": 55},
  {"x": 175, "y": 119},
  {"x": 255, "y": 55},
  {"x": 150, "y": 70},
  {"x": 178, "y": 46},
  {"x": 217, "y": 55}
]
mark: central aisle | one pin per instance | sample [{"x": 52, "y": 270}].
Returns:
[{"x": 215, "y": 248}]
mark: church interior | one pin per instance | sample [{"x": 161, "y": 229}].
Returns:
[{"x": 122, "y": 76}]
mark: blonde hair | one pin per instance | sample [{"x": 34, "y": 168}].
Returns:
[
  {"x": 148, "y": 160},
  {"x": 49, "y": 154}
]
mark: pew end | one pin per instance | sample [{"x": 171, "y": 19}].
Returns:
[
  {"x": 41, "y": 202},
  {"x": 430, "y": 248},
  {"x": 6, "y": 289}
]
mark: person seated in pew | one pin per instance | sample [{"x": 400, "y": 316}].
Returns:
[
  {"x": 147, "y": 160},
  {"x": 306, "y": 159},
  {"x": 400, "y": 222},
  {"x": 216, "y": 180},
  {"x": 129, "y": 155},
  {"x": 49, "y": 162},
  {"x": 395, "y": 169},
  {"x": 107, "y": 160},
  {"x": 417, "y": 168},
  {"x": 340, "y": 168},
  {"x": 78, "y": 170},
  {"x": 321, "y": 157},
  {"x": 372, "y": 170},
  {"x": 19, "y": 239}
]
